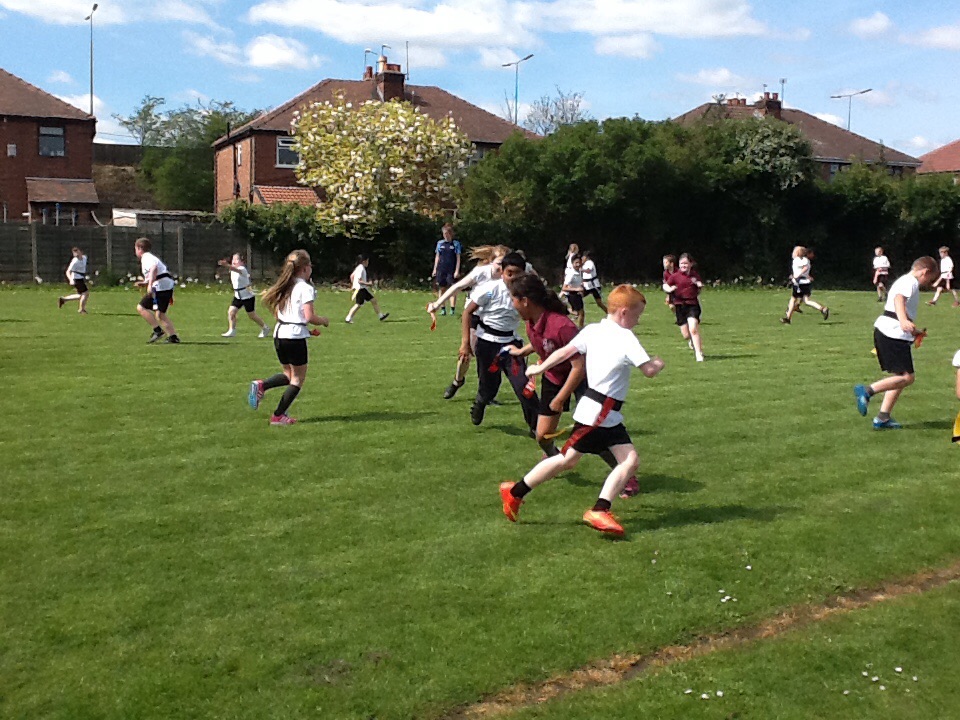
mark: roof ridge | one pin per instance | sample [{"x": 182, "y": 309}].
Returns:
[{"x": 30, "y": 87}]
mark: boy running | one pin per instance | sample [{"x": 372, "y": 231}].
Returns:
[
  {"x": 591, "y": 280},
  {"x": 243, "y": 297},
  {"x": 446, "y": 267},
  {"x": 611, "y": 350},
  {"x": 881, "y": 268},
  {"x": 159, "y": 283},
  {"x": 893, "y": 334},
  {"x": 802, "y": 283},
  {"x": 573, "y": 288},
  {"x": 361, "y": 290},
  {"x": 945, "y": 281},
  {"x": 77, "y": 277}
]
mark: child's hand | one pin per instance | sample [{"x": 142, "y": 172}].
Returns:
[
  {"x": 514, "y": 350},
  {"x": 325, "y": 321},
  {"x": 534, "y": 369}
]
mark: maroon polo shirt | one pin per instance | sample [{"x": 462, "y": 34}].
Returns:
[
  {"x": 687, "y": 291},
  {"x": 552, "y": 332}
]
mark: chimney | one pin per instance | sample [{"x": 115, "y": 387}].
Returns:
[
  {"x": 770, "y": 104},
  {"x": 368, "y": 72},
  {"x": 390, "y": 80}
]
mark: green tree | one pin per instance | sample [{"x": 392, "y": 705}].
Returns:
[
  {"x": 377, "y": 162},
  {"x": 146, "y": 122}
]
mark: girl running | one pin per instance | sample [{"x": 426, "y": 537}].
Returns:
[
  {"x": 488, "y": 259},
  {"x": 361, "y": 290},
  {"x": 573, "y": 288},
  {"x": 77, "y": 276},
  {"x": 684, "y": 286},
  {"x": 291, "y": 300},
  {"x": 945, "y": 281},
  {"x": 242, "y": 296},
  {"x": 591, "y": 280},
  {"x": 881, "y": 268},
  {"x": 802, "y": 285},
  {"x": 669, "y": 267}
]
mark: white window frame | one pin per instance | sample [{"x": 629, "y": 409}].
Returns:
[
  {"x": 287, "y": 143},
  {"x": 11, "y": 149}
]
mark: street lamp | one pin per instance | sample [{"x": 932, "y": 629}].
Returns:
[
  {"x": 849, "y": 97},
  {"x": 90, "y": 18},
  {"x": 366, "y": 51},
  {"x": 516, "y": 86}
]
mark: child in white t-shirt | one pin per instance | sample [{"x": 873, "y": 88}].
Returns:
[
  {"x": 573, "y": 288},
  {"x": 291, "y": 299},
  {"x": 361, "y": 290},
  {"x": 945, "y": 281},
  {"x": 802, "y": 283},
  {"x": 243, "y": 297},
  {"x": 611, "y": 351},
  {"x": 591, "y": 279},
  {"x": 881, "y": 268},
  {"x": 77, "y": 277},
  {"x": 159, "y": 297},
  {"x": 894, "y": 333}
]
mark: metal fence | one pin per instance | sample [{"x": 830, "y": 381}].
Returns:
[{"x": 31, "y": 251}]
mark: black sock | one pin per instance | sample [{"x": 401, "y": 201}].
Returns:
[
  {"x": 520, "y": 489},
  {"x": 278, "y": 380},
  {"x": 882, "y": 416},
  {"x": 289, "y": 395},
  {"x": 870, "y": 392},
  {"x": 157, "y": 330},
  {"x": 602, "y": 505},
  {"x": 548, "y": 447},
  {"x": 609, "y": 459}
]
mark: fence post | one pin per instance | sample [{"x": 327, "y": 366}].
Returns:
[
  {"x": 180, "y": 253},
  {"x": 34, "y": 260},
  {"x": 250, "y": 256},
  {"x": 108, "y": 232}
]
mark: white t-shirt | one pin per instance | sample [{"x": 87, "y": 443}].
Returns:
[
  {"x": 291, "y": 321},
  {"x": 589, "y": 272},
  {"x": 612, "y": 352},
  {"x": 569, "y": 264},
  {"x": 880, "y": 262},
  {"x": 956, "y": 360},
  {"x": 908, "y": 286},
  {"x": 946, "y": 268},
  {"x": 78, "y": 268},
  {"x": 573, "y": 279},
  {"x": 359, "y": 275},
  {"x": 495, "y": 310},
  {"x": 148, "y": 261},
  {"x": 801, "y": 270},
  {"x": 480, "y": 274},
  {"x": 240, "y": 280}
]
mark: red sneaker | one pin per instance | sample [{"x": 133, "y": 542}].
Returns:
[
  {"x": 281, "y": 420},
  {"x": 631, "y": 488},
  {"x": 604, "y": 521},
  {"x": 511, "y": 504}
]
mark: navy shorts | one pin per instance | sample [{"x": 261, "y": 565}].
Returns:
[
  {"x": 595, "y": 292},
  {"x": 548, "y": 391},
  {"x": 802, "y": 290},
  {"x": 894, "y": 355},
  {"x": 445, "y": 278},
  {"x": 686, "y": 311},
  {"x": 291, "y": 352},
  {"x": 361, "y": 296},
  {"x": 576, "y": 301},
  {"x": 598, "y": 439},
  {"x": 247, "y": 304},
  {"x": 80, "y": 286},
  {"x": 159, "y": 301}
]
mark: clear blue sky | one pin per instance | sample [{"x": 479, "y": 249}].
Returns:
[{"x": 652, "y": 58}]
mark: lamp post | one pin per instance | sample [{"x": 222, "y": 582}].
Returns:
[
  {"x": 90, "y": 18},
  {"x": 516, "y": 86},
  {"x": 849, "y": 97},
  {"x": 366, "y": 51}
]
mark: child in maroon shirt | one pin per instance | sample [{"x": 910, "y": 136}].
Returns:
[
  {"x": 669, "y": 266},
  {"x": 684, "y": 286}
]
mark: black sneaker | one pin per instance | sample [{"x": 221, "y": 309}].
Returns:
[
  {"x": 452, "y": 389},
  {"x": 173, "y": 339},
  {"x": 384, "y": 316},
  {"x": 785, "y": 320},
  {"x": 496, "y": 403},
  {"x": 476, "y": 413},
  {"x": 826, "y": 313},
  {"x": 154, "y": 337}
]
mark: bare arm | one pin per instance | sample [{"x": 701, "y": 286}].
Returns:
[
  {"x": 900, "y": 305},
  {"x": 312, "y": 318},
  {"x": 465, "y": 350},
  {"x": 556, "y": 358},
  {"x": 521, "y": 351},
  {"x": 577, "y": 374},
  {"x": 456, "y": 273},
  {"x": 653, "y": 366},
  {"x": 436, "y": 261},
  {"x": 453, "y": 289}
]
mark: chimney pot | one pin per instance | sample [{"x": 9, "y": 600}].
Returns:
[
  {"x": 776, "y": 96},
  {"x": 368, "y": 72}
]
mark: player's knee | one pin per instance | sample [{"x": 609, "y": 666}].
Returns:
[{"x": 908, "y": 379}]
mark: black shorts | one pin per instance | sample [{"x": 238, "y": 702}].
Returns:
[
  {"x": 361, "y": 296},
  {"x": 595, "y": 292},
  {"x": 596, "y": 440},
  {"x": 444, "y": 278},
  {"x": 80, "y": 286},
  {"x": 576, "y": 300},
  {"x": 894, "y": 355},
  {"x": 291, "y": 352},
  {"x": 686, "y": 311},
  {"x": 159, "y": 301},
  {"x": 247, "y": 304},
  {"x": 474, "y": 321},
  {"x": 802, "y": 290},
  {"x": 881, "y": 278},
  {"x": 548, "y": 391}
]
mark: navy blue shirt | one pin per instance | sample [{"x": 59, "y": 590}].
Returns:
[{"x": 448, "y": 250}]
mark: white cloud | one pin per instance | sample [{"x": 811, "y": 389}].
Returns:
[
  {"x": 426, "y": 57},
  {"x": 637, "y": 45},
  {"x": 720, "y": 78},
  {"x": 919, "y": 145},
  {"x": 108, "y": 129},
  {"x": 874, "y": 26},
  {"x": 227, "y": 53},
  {"x": 180, "y": 11},
  {"x": 274, "y": 52},
  {"x": 60, "y": 76},
  {"x": 494, "y": 57},
  {"x": 879, "y": 98},
  {"x": 833, "y": 119},
  {"x": 945, "y": 37},
  {"x": 117, "y": 12}
]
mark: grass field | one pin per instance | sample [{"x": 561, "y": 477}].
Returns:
[{"x": 164, "y": 553}]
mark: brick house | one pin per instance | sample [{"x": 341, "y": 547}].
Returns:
[
  {"x": 256, "y": 161},
  {"x": 46, "y": 156},
  {"x": 834, "y": 148},
  {"x": 942, "y": 161}
]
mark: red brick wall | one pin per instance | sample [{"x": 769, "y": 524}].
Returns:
[
  {"x": 265, "y": 167},
  {"x": 25, "y": 134}
]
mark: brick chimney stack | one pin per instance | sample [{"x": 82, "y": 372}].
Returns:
[
  {"x": 390, "y": 80},
  {"x": 770, "y": 104}
]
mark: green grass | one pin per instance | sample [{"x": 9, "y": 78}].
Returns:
[{"x": 164, "y": 553}]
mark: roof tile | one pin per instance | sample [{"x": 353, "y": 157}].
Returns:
[
  {"x": 63, "y": 190},
  {"x": 270, "y": 194},
  {"x": 945, "y": 159},
  {"x": 20, "y": 98}
]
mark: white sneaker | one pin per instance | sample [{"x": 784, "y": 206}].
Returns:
[
  {"x": 690, "y": 344},
  {"x": 348, "y": 320},
  {"x": 264, "y": 331},
  {"x": 699, "y": 358},
  {"x": 229, "y": 333}
]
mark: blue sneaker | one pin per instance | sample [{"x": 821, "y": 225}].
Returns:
[
  {"x": 890, "y": 424},
  {"x": 256, "y": 394},
  {"x": 860, "y": 392}
]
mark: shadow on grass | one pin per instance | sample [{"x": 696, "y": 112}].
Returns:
[
  {"x": 515, "y": 430},
  {"x": 650, "y": 484},
  {"x": 743, "y": 356},
  {"x": 218, "y": 343},
  {"x": 116, "y": 314},
  {"x": 14, "y": 320},
  {"x": 703, "y": 516},
  {"x": 367, "y": 417},
  {"x": 930, "y": 425}
]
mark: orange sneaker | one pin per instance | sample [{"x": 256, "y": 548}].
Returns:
[
  {"x": 511, "y": 504},
  {"x": 604, "y": 521}
]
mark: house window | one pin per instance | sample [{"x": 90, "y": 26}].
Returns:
[
  {"x": 287, "y": 156},
  {"x": 895, "y": 171},
  {"x": 11, "y": 150},
  {"x": 52, "y": 142}
]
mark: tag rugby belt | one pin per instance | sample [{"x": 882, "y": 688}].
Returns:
[
  {"x": 236, "y": 291},
  {"x": 892, "y": 314},
  {"x": 607, "y": 405}
]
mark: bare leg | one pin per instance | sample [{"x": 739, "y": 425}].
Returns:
[
  {"x": 257, "y": 319},
  {"x": 164, "y": 321},
  {"x": 627, "y": 464},
  {"x": 694, "y": 330},
  {"x": 231, "y": 319}
]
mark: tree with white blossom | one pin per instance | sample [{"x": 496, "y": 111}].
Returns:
[{"x": 377, "y": 160}]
